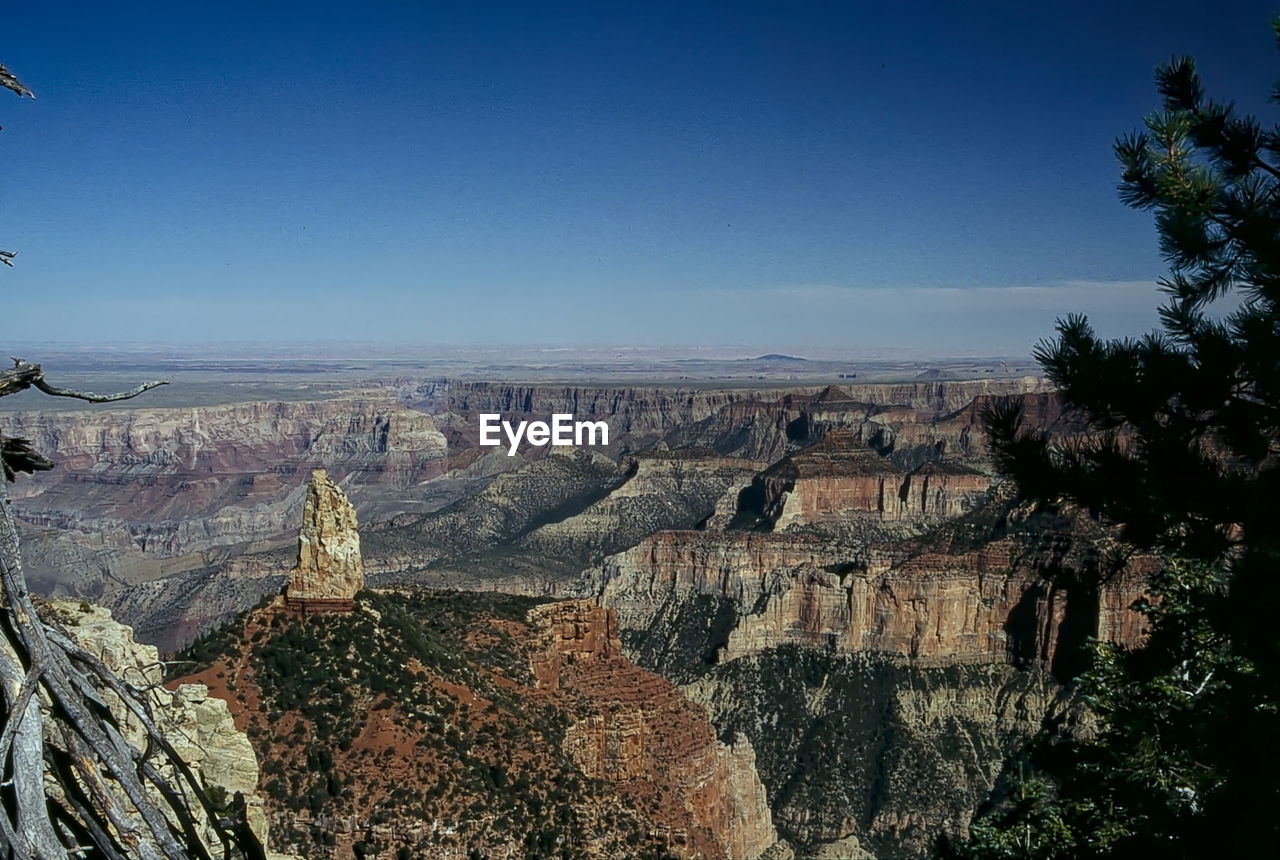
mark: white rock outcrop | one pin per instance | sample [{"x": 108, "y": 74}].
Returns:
[{"x": 198, "y": 726}]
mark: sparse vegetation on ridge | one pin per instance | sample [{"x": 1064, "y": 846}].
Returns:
[{"x": 411, "y": 723}]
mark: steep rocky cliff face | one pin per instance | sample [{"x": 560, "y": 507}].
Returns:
[
  {"x": 440, "y": 724},
  {"x": 370, "y": 434},
  {"x": 864, "y": 752},
  {"x": 150, "y": 492},
  {"x": 329, "y": 570},
  {"x": 197, "y": 725},
  {"x": 645, "y": 731},
  {"x": 952, "y": 644},
  {"x": 756, "y": 423},
  {"x": 840, "y": 478},
  {"x": 995, "y": 602},
  {"x": 669, "y": 406}
]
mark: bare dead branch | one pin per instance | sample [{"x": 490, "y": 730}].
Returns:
[
  {"x": 17, "y": 707},
  {"x": 9, "y": 81},
  {"x": 53, "y": 391},
  {"x": 25, "y": 375}
]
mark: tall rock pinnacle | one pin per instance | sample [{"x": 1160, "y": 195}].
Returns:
[{"x": 329, "y": 570}]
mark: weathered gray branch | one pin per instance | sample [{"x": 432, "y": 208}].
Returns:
[
  {"x": 8, "y": 81},
  {"x": 105, "y": 791},
  {"x": 53, "y": 391},
  {"x": 25, "y": 375}
]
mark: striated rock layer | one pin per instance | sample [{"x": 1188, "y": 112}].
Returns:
[
  {"x": 143, "y": 493},
  {"x": 329, "y": 570},
  {"x": 884, "y": 684},
  {"x": 642, "y": 729},
  {"x": 990, "y": 604},
  {"x": 153, "y": 510},
  {"x": 841, "y": 477}
]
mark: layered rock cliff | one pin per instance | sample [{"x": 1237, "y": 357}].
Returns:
[
  {"x": 142, "y": 493},
  {"x": 643, "y": 731},
  {"x": 752, "y": 422},
  {"x": 841, "y": 478},
  {"x": 668, "y": 406},
  {"x": 953, "y": 644}
]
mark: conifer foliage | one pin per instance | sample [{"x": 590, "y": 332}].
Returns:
[{"x": 1181, "y": 459}]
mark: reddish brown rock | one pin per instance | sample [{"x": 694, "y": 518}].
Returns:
[
  {"x": 571, "y": 632},
  {"x": 640, "y": 731},
  {"x": 329, "y": 570}
]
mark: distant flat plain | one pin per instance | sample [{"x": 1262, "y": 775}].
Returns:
[{"x": 235, "y": 374}]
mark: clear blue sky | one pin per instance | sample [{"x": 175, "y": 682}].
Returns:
[{"x": 934, "y": 176}]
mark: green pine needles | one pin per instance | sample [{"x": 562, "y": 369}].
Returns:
[{"x": 1185, "y": 757}]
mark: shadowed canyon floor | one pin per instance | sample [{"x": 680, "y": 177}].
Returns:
[{"x": 865, "y": 621}]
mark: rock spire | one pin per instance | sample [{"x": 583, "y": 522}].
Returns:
[{"x": 329, "y": 570}]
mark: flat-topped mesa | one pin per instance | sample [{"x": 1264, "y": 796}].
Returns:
[
  {"x": 841, "y": 478},
  {"x": 329, "y": 570}
]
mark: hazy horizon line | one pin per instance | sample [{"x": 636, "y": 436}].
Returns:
[{"x": 418, "y": 349}]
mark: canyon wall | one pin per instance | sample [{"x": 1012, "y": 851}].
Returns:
[
  {"x": 372, "y": 435},
  {"x": 992, "y": 604},
  {"x": 953, "y": 642},
  {"x": 840, "y": 477},
  {"x": 755, "y": 422},
  {"x": 673, "y": 405},
  {"x": 643, "y": 729},
  {"x": 142, "y": 493}
]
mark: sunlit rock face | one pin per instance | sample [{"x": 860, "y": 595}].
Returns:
[
  {"x": 199, "y": 726},
  {"x": 329, "y": 570},
  {"x": 643, "y": 731}
]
